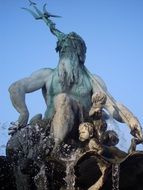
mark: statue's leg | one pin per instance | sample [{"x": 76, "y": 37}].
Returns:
[{"x": 67, "y": 109}]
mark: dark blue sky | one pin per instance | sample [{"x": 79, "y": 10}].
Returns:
[{"x": 112, "y": 30}]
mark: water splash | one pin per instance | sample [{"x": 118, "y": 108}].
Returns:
[
  {"x": 3, "y": 137},
  {"x": 115, "y": 176},
  {"x": 70, "y": 172},
  {"x": 41, "y": 179}
]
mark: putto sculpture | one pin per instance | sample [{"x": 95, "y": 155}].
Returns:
[{"x": 74, "y": 124}]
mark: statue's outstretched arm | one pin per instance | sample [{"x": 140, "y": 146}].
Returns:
[
  {"x": 21, "y": 87},
  {"x": 117, "y": 110},
  {"x": 122, "y": 114}
]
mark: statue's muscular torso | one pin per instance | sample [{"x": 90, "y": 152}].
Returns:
[{"x": 81, "y": 91}]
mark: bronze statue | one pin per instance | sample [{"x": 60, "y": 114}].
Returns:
[
  {"x": 67, "y": 89},
  {"x": 78, "y": 104}
]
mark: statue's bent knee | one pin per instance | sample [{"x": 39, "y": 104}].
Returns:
[
  {"x": 62, "y": 99},
  {"x": 64, "y": 118}
]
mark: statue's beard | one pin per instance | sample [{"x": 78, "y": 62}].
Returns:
[{"x": 68, "y": 72}]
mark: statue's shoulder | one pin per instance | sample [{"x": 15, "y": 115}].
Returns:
[{"x": 43, "y": 72}]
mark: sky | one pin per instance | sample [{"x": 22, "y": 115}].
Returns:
[{"x": 112, "y": 30}]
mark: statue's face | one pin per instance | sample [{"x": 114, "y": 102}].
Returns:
[{"x": 84, "y": 132}]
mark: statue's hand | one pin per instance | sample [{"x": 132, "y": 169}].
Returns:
[
  {"x": 96, "y": 111},
  {"x": 13, "y": 128},
  {"x": 22, "y": 122},
  {"x": 136, "y": 129}
]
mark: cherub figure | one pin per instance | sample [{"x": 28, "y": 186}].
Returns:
[{"x": 105, "y": 154}]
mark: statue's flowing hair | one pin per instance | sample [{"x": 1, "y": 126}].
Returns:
[
  {"x": 72, "y": 50},
  {"x": 68, "y": 72}
]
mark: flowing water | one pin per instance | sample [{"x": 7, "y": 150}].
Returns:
[
  {"x": 115, "y": 176},
  {"x": 41, "y": 179},
  {"x": 70, "y": 163}
]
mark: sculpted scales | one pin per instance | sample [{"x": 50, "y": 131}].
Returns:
[{"x": 67, "y": 89}]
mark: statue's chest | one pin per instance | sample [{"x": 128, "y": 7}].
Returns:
[{"x": 82, "y": 88}]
